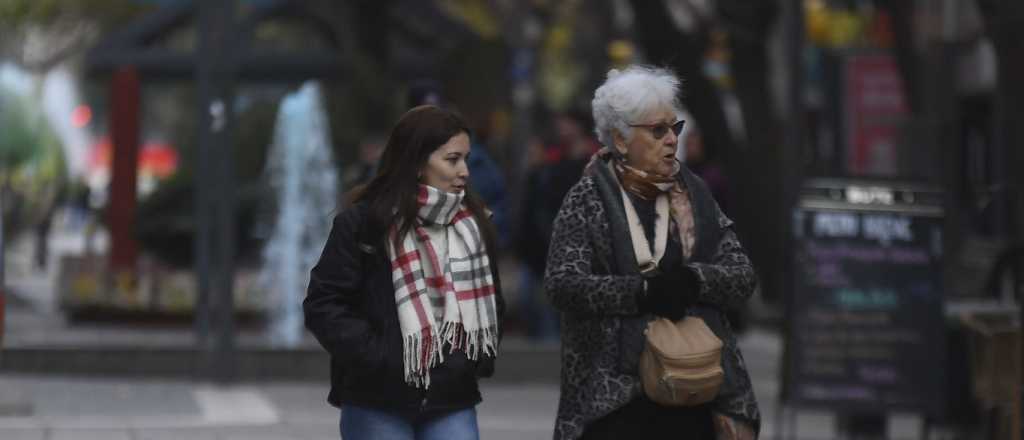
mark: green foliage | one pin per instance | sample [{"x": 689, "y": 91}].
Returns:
[
  {"x": 21, "y": 133},
  {"x": 49, "y": 12},
  {"x": 32, "y": 168}
]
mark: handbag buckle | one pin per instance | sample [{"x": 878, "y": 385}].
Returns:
[
  {"x": 649, "y": 268},
  {"x": 668, "y": 387}
]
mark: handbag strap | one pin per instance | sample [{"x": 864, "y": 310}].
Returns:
[{"x": 641, "y": 247}]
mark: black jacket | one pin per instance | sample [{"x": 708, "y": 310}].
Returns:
[{"x": 350, "y": 308}]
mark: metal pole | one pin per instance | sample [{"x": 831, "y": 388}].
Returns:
[
  {"x": 215, "y": 190},
  {"x": 201, "y": 241},
  {"x": 794, "y": 138},
  {"x": 3, "y": 266},
  {"x": 224, "y": 228}
]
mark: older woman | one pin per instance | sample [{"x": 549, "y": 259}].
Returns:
[{"x": 639, "y": 236}]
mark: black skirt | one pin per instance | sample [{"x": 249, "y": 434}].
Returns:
[{"x": 645, "y": 419}]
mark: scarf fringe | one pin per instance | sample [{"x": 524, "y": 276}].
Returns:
[
  {"x": 483, "y": 340},
  {"x": 421, "y": 354}
]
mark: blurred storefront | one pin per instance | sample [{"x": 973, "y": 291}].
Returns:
[
  {"x": 905, "y": 93},
  {"x": 198, "y": 197},
  {"x": 779, "y": 96}
]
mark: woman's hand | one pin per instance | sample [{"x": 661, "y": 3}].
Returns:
[{"x": 671, "y": 291}]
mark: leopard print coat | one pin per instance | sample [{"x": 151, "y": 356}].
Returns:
[{"x": 597, "y": 301}]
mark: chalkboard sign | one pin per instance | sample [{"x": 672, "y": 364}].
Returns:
[{"x": 865, "y": 319}]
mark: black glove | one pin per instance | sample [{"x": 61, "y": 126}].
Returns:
[{"x": 670, "y": 292}]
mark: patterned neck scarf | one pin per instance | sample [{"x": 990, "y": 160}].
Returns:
[
  {"x": 463, "y": 287},
  {"x": 642, "y": 184},
  {"x": 650, "y": 186}
]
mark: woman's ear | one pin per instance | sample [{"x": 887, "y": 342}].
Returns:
[{"x": 620, "y": 142}]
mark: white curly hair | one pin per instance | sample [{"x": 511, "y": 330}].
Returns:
[{"x": 629, "y": 95}]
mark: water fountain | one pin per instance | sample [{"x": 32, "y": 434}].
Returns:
[{"x": 301, "y": 172}]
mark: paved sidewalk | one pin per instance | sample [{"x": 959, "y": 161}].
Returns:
[
  {"x": 76, "y": 408},
  {"x": 156, "y": 399},
  {"x": 60, "y": 407}
]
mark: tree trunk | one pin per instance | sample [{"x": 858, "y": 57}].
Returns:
[
  {"x": 755, "y": 171},
  {"x": 684, "y": 53},
  {"x": 901, "y": 13},
  {"x": 1004, "y": 20},
  {"x": 760, "y": 181}
]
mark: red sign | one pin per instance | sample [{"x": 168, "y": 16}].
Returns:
[
  {"x": 155, "y": 158},
  {"x": 875, "y": 108}
]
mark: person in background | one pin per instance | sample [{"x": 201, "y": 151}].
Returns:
[
  {"x": 706, "y": 167},
  {"x": 359, "y": 173},
  {"x": 547, "y": 183},
  {"x": 640, "y": 236},
  {"x": 406, "y": 297}
]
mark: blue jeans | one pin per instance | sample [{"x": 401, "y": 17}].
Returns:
[{"x": 361, "y": 423}]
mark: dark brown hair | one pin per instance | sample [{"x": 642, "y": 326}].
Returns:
[{"x": 391, "y": 194}]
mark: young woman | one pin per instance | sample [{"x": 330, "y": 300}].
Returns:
[{"x": 406, "y": 296}]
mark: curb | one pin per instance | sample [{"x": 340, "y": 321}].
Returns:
[{"x": 519, "y": 363}]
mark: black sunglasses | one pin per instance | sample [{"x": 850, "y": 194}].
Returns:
[{"x": 660, "y": 129}]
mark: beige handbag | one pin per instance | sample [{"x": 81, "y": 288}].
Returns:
[{"x": 681, "y": 362}]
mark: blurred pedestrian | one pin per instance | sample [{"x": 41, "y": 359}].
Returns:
[
  {"x": 359, "y": 173},
  {"x": 707, "y": 168},
  {"x": 406, "y": 296},
  {"x": 550, "y": 182},
  {"x": 42, "y": 229},
  {"x": 547, "y": 183},
  {"x": 639, "y": 236}
]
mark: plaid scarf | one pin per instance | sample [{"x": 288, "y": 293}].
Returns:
[{"x": 462, "y": 287}]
